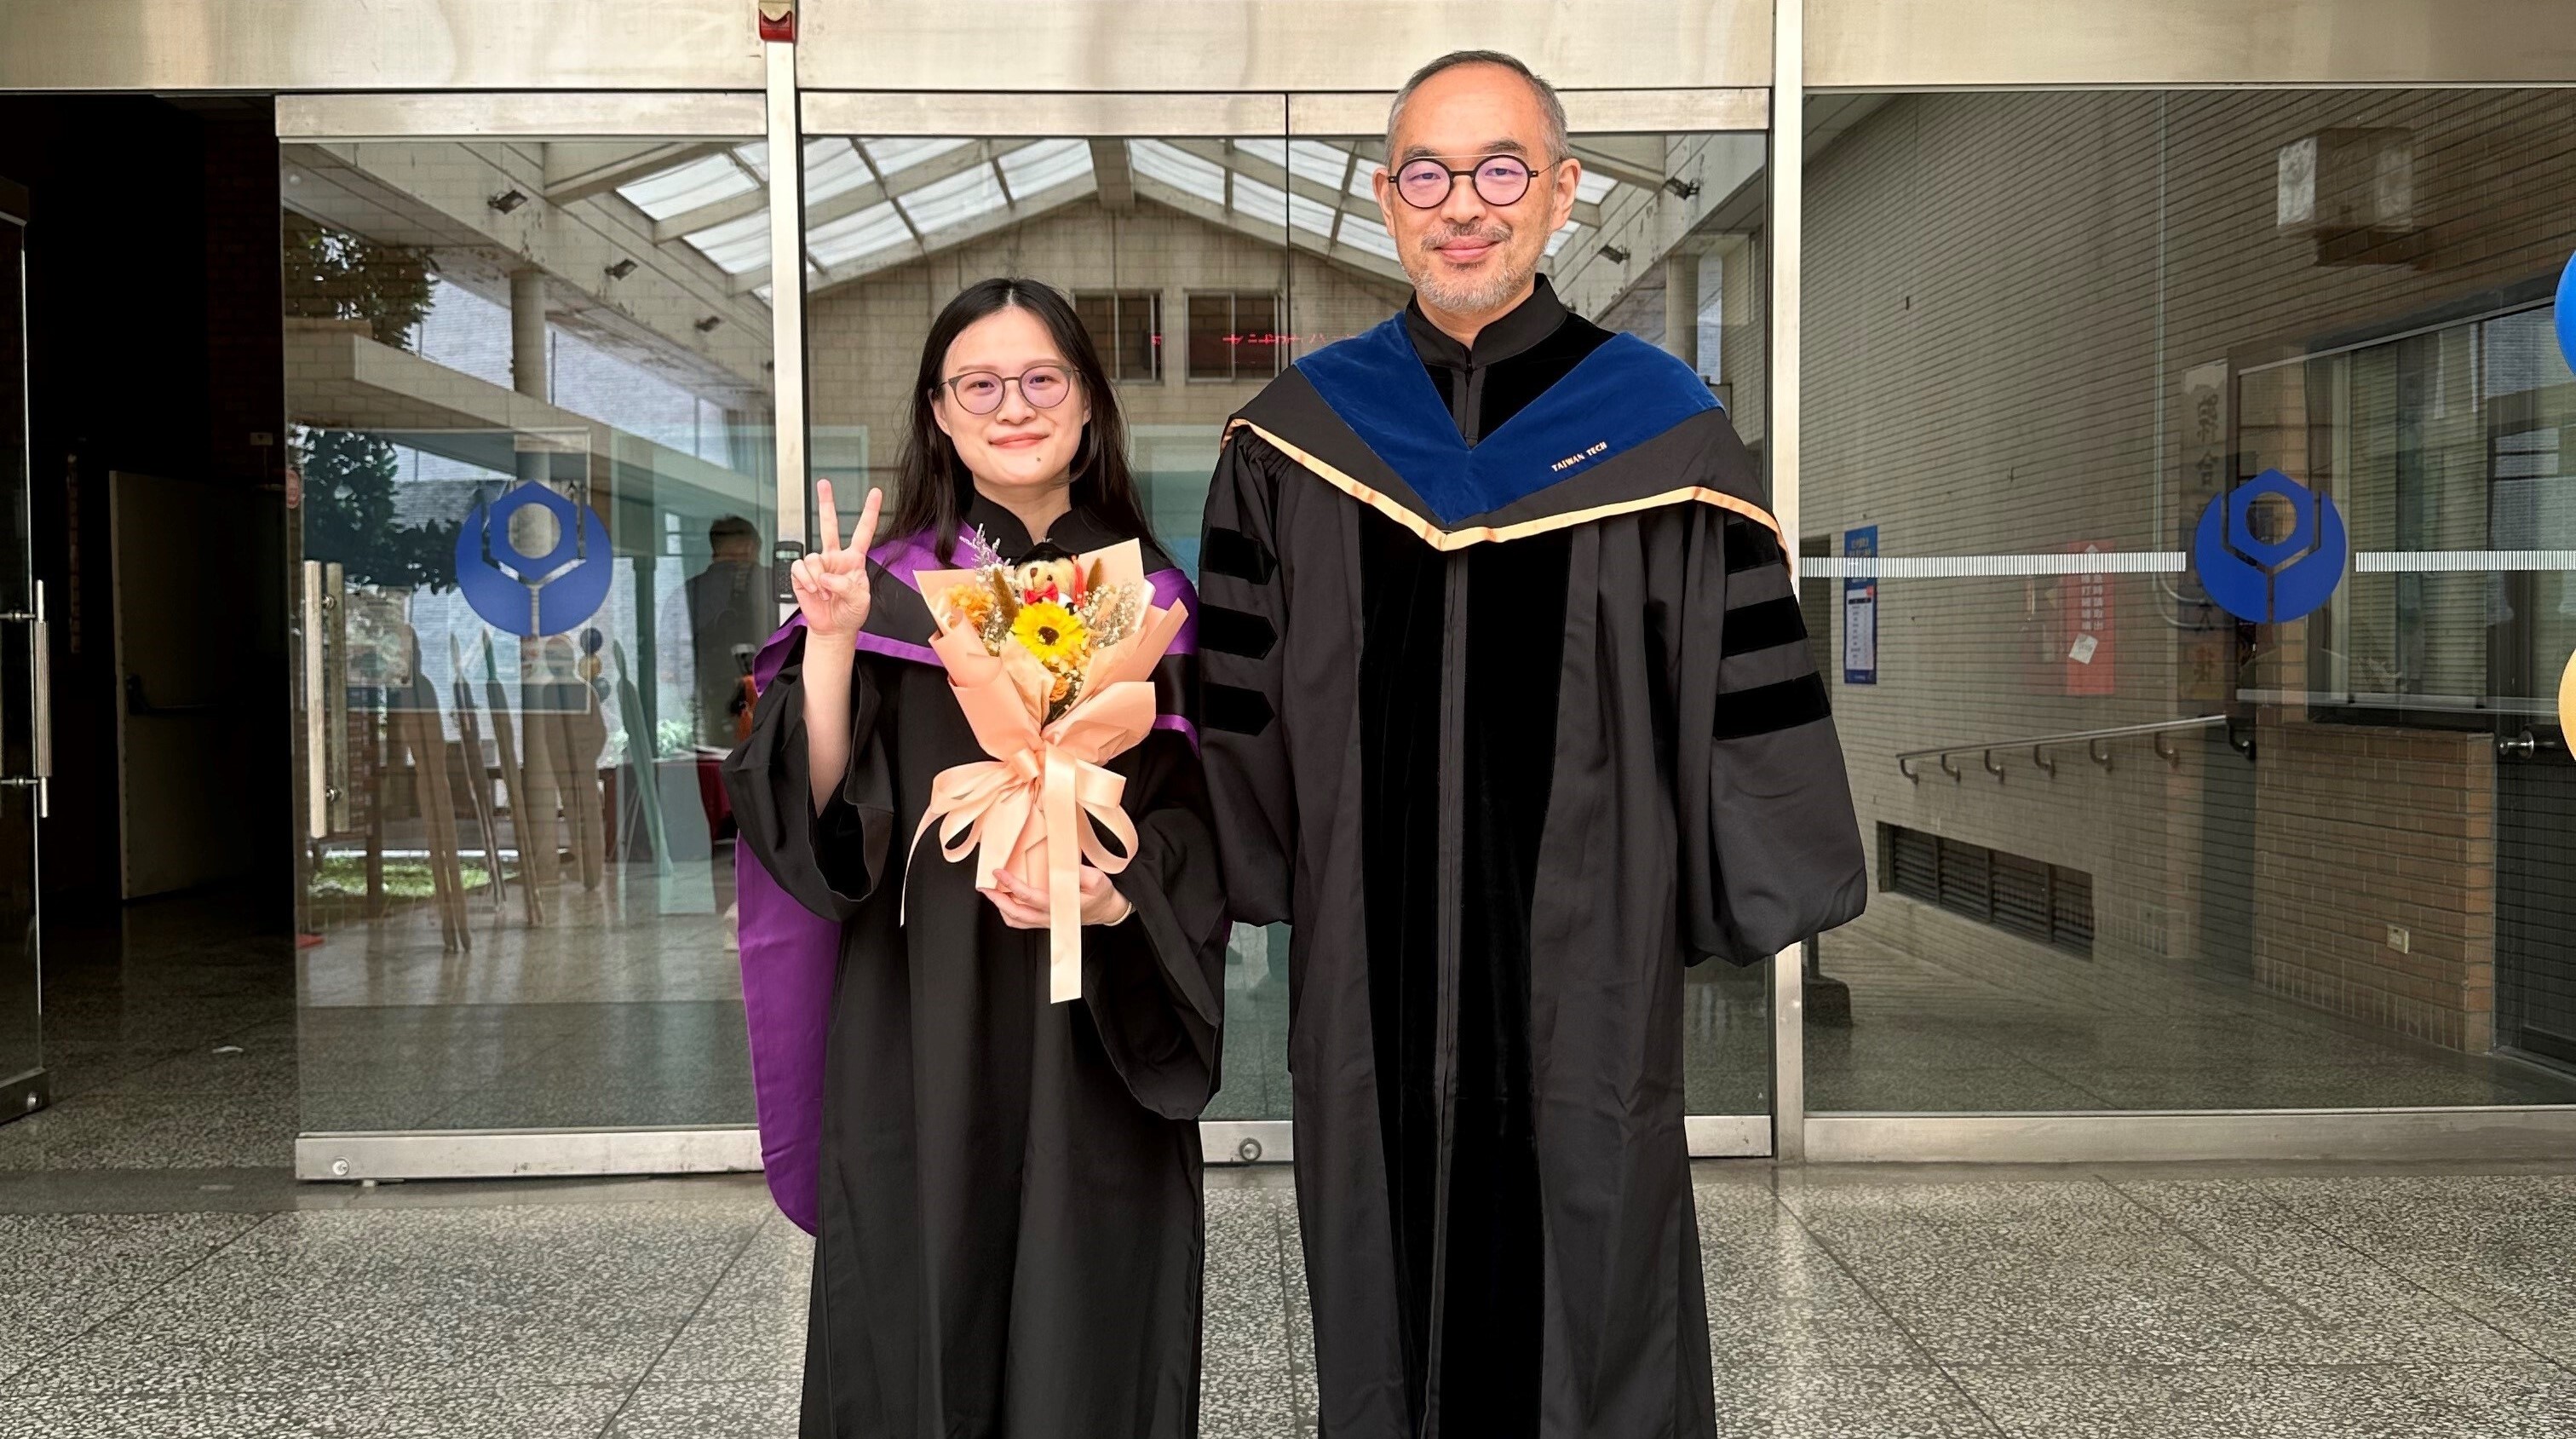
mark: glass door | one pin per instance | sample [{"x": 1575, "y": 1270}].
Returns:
[
  {"x": 2201, "y": 557},
  {"x": 529, "y": 399},
  {"x": 25, "y": 752}
]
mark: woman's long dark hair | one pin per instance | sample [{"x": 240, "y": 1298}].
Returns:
[{"x": 934, "y": 487}]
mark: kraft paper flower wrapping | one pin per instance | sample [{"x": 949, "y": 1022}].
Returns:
[{"x": 1039, "y": 806}]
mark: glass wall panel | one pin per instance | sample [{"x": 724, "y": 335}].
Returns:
[
  {"x": 2193, "y": 461},
  {"x": 1174, "y": 251},
  {"x": 21, "y": 1053},
  {"x": 1666, "y": 243},
  {"x": 528, "y": 394}
]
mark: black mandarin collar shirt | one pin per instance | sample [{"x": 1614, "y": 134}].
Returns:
[{"x": 1515, "y": 359}]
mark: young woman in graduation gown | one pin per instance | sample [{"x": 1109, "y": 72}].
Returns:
[{"x": 1007, "y": 1210}]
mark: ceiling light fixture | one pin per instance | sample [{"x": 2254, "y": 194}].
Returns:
[
  {"x": 1682, "y": 189},
  {"x": 709, "y": 322},
  {"x": 621, "y": 269},
  {"x": 507, "y": 201},
  {"x": 1614, "y": 254}
]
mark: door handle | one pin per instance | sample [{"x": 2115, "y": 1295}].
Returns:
[
  {"x": 41, "y": 643},
  {"x": 40, "y": 701},
  {"x": 326, "y": 702},
  {"x": 2523, "y": 746}
]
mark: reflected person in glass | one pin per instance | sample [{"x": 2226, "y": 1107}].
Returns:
[
  {"x": 1510, "y": 715},
  {"x": 1005, "y": 1192}
]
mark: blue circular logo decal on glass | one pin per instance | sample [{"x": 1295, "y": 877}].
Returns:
[
  {"x": 2567, "y": 312},
  {"x": 2277, "y": 580},
  {"x": 541, "y": 594}
]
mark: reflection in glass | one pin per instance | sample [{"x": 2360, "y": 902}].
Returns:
[
  {"x": 2324, "y": 862},
  {"x": 535, "y": 453}
]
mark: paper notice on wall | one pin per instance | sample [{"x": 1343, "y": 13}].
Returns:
[
  {"x": 1860, "y": 611},
  {"x": 2085, "y": 608}
]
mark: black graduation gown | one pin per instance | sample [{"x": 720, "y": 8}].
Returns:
[
  {"x": 1508, "y": 743},
  {"x": 1008, "y": 1205}
]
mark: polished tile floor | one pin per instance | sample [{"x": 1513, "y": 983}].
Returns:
[
  {"x": 160, "y": 1273},
  {"x": 2149, "y": 1304}
]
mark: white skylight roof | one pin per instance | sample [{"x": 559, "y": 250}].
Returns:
[
  {"x": 1187, "y": 173},
  {"x": 1365, "y": 232},
  {"x": 1322, "y": 163},
  {"x": 893, "y": 157},
  {"x": 1310, "y": 215},
  {"x": 934, "y": 188},
  {"x": 702, "y": 181},
  {"x": 943, "y": 204},
  {"x": 876, "y": 228},
  {"x": 1253, "y": 198},
  {"x": 833, "y": 167},
  {"x": 1046, "y": 165},
  {"x": 736, "y": 245}
]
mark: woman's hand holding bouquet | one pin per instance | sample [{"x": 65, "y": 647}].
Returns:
[{"x": 1052, "y": 660}]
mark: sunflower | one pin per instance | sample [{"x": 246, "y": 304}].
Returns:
[{"x": 1052, "y": 633}]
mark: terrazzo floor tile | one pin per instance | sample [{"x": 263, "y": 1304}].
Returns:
[
  {"x": 1775, "y": 1402},
  {"x": 1245, "y": 1323},
  {"x": 548, "y": 1412},
  {"x": 2059, "y": 1273},
  {"x": 63, "y": 1273},
  {"x": 2502, "y": 1247},
  {"x": 752, "y": 1328},
  {"x": 2384, "y": 1315},
  {"x": 1776, "y": 1296},
  {"x": 762, "y": 1409},
  {"x": 1245, "y": 1403},
  {"x": 420, "y": 1298},
  {"x": 1301, "y": 1319},
  {"x": 2305, "y": 1402}
]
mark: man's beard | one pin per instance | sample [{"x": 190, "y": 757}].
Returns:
[{"x": 1466, "y": 295}]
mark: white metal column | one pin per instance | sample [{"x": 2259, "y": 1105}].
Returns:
[
  {"x": 1788, "y": 199},
  {"x": 787, "y": 269}
]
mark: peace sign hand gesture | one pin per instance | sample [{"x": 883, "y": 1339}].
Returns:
[{"x": 831, "y": 584}]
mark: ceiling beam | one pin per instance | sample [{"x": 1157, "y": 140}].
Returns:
[
  {"x": 578, "y": 169},
  {"x": 1350, "y": 172},
  {"x": 1648, "y": 224},
  {"x": 706, "y": 217},
  {"x": 435, "y": 195},
  {"x": 1116, "y": 175},
  {"x": 1628, "y": 159}
]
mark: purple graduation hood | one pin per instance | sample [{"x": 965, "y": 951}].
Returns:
[{"x": 790, "y": 954}]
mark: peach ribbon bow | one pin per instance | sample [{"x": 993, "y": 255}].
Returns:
[{"x": 1045, "y": 782}]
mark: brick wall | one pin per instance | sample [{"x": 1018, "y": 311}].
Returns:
[{"x": 2365, "y": 829}]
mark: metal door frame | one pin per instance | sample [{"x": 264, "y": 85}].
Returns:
[
  {"x": 677, "y": 116},
  {"x": 26, "y": 1092}
]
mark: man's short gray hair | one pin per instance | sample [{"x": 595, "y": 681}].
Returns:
[{"x": 1548, "y": 104}]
